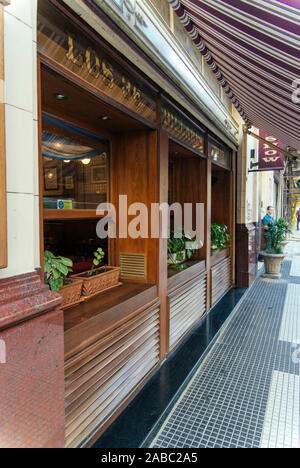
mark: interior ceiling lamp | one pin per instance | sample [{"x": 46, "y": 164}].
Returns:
[
  {"x": 66, "y": 149},
  {"x": 60, "y": 96}
]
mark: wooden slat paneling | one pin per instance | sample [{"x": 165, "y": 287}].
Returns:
[
  {"x": 221, "y": 279},
  {"x": 3, "y": 224},
  {"x": 187, "y": 306},
  {"x": 104, "y": 375}
]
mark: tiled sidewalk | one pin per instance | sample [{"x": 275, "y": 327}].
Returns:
[{"x": 246, "y": 391}]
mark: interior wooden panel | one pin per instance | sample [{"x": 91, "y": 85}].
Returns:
[
  {"x": 222, "y": 213},
  {"x": 188, "y": 182},
  {"x": 187, "y": 306},
  {"x": 221, "y": 279},
  {"x": 135, "y": 174},
  {"x": 101, "y": 377},
  {"x": 221, "y": 197},
  {"x": 3, "y": 224}
]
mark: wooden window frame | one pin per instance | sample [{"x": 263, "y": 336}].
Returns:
[
  {"x": 3, "y": 207},
  {"x": 52, "y": 214}
]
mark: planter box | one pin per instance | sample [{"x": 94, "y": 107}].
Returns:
[
  {"x": 217, "y": 255},
  {"x": 273, "y": 264},
  {"x": 71, "y": 291},
  {"x": 103, "y": 278}
]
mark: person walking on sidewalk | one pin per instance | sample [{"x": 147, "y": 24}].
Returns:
[
  {"x": 267, "y": 221},
  {"x": 298, "y": 218}
]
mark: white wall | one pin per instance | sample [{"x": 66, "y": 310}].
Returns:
[
  {"x": 21, "y": 136},
  {"x": 252, "y": 186},
  {"x": 267, "y": 191}
]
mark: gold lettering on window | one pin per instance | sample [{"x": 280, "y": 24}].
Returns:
[
  {"x": 108, "y": 74},
  {"x": 95, "y": 69},
  {"x": 126, "y": 88},
  {"x": 70, "y": 54}
]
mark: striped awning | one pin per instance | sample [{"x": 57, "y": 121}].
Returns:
[{"x": 253, "y": 47}]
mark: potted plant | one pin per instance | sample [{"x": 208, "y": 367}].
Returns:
[
  {"x": 181, "y": 248},
  {"x": 99, "y": 279},
  {"x": 273, "y": 255},
  {"x": 176, "y": 249},
  {"x": 191, "y": 245},
  {"x": 285, "y": 240},
  {"x": 56, "y": 271},
  {"x": 220, "y": 237}
]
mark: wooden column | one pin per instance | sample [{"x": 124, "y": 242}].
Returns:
[
  {"x": 163, "y": 159},
  {"x": 3, "y": 209},
  {"x": 207, "y": 233},
  {"x": 233, "y": 215}
]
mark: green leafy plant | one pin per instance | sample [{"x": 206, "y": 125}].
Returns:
[
  {"x": 181, "y": 245},
  {"x": 176, "y": 244},
  {"x": 56, "y": 270},
  {"x": 220, "y": 236},
  {"x": 191, "y": 245},
  {"x": 276, "y": 234},
  {"x": 99, "y": 255}
]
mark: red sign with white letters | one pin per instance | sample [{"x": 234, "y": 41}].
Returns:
[{"x": 270, "y": 159}]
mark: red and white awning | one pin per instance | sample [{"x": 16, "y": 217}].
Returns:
[{"x": 253, "y": 47}]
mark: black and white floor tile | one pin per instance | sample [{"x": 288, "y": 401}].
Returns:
[{"x": 246, "y": 391}]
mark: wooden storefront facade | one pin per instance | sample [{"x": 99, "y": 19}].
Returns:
[
  {"x": 155, "y": 151},
  {"x": 148, "y": 147}
]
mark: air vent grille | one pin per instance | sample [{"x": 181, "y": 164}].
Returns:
[{"x": 133, "y": 266}]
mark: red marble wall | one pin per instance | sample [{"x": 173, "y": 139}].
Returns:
[{"x": 32, "y": 367}]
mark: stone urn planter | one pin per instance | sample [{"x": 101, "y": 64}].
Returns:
[
  {"x": 273, "y": 264},
  {"x": 284, "y": 244}
]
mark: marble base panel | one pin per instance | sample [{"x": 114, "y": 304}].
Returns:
[{"x": 31, "y": 365}]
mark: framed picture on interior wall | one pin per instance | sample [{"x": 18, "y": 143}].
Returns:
[
  {"x": 53, "y": 178},
  {"x": 99, "y": 174},
  {"x": 69, "y": 182}
]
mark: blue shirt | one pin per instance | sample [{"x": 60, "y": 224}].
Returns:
[{"x": 267, "y": 220}]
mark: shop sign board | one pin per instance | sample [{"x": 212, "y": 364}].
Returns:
[{"x": 269, "y": 158}]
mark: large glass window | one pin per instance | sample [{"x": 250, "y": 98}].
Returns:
[{"x": 75, "y": 173}]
